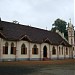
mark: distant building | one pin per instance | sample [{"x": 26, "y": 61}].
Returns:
[{"x": 21, "y": 42}]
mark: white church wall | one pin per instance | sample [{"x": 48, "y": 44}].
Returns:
[{"x": 29, "y": 54}]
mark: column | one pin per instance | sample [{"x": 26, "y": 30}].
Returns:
[
  {"x": 16, "y": 56},
  {"x": 41, "y": 52},
  {"x": 1, "y": 48},
  {"x": 9, "y": 48}
]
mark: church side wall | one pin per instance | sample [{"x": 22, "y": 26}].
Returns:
[{"x": 29, "y": 55}]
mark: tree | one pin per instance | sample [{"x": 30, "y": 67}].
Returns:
[{"x": 60, "y": 25}]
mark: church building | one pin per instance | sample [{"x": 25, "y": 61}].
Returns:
[{"x": 22, "y": 42}]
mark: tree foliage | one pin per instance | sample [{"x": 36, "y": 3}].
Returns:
[{"x": 60, "y": 25}]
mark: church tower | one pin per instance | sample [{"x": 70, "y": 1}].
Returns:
[
  {"x": 70, "y": 29},
  {"x": 70, "y": 33}
]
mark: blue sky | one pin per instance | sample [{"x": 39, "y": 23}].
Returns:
[{"x": 37, "y": 13}]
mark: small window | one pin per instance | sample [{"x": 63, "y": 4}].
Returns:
[
  {"x": 13, "y": 49},
  {"x": 5, "y": 48},
  {"x": 23, "y": 49},
  {"x": 34, "y": 50},
  {"x": 62, "y": 50},
  {"x": 53, "y": 50},
  {"x": 66, "y": 51}
]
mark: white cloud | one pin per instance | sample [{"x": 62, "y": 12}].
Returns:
[{"x": 38, "y": 13}]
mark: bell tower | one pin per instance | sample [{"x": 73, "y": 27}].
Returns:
[{"x": 70, "y": 29}]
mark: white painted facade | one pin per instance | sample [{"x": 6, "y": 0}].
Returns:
[{"x": 29, "y": 55}]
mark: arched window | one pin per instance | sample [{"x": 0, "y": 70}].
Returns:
[
  {"x": 34, "y": 50},
  {"x": 62, "y": 50},
  {"x": 13, "y": 49},
  {"x": 66, "y": 51},
  {"x": 5, "y": 48},
  {"x": 23, "y": 49},
  {"x": 53, "y": 50},
  {"x": 45, "y": 51}
]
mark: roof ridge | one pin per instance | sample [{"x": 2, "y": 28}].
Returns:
[{"x": 27, "y": 26}]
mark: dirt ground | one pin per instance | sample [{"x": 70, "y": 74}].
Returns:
[
  {"x": 51, "y": 67},
  {"x": 12, "y": 63}
]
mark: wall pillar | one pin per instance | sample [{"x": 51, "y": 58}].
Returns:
[
  {"x": 57, "y": 52},
  {"x": 1, "y": 48},
  {"x": 64, "y": 52},
  {"x": 49, "y": 53},
  {"x": 9, "y": 48},
  {"x": 17, "y": 51},
  {"x": 41, "y": 52}
]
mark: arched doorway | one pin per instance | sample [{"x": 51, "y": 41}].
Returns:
[{"x": 45, "y": 51}]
